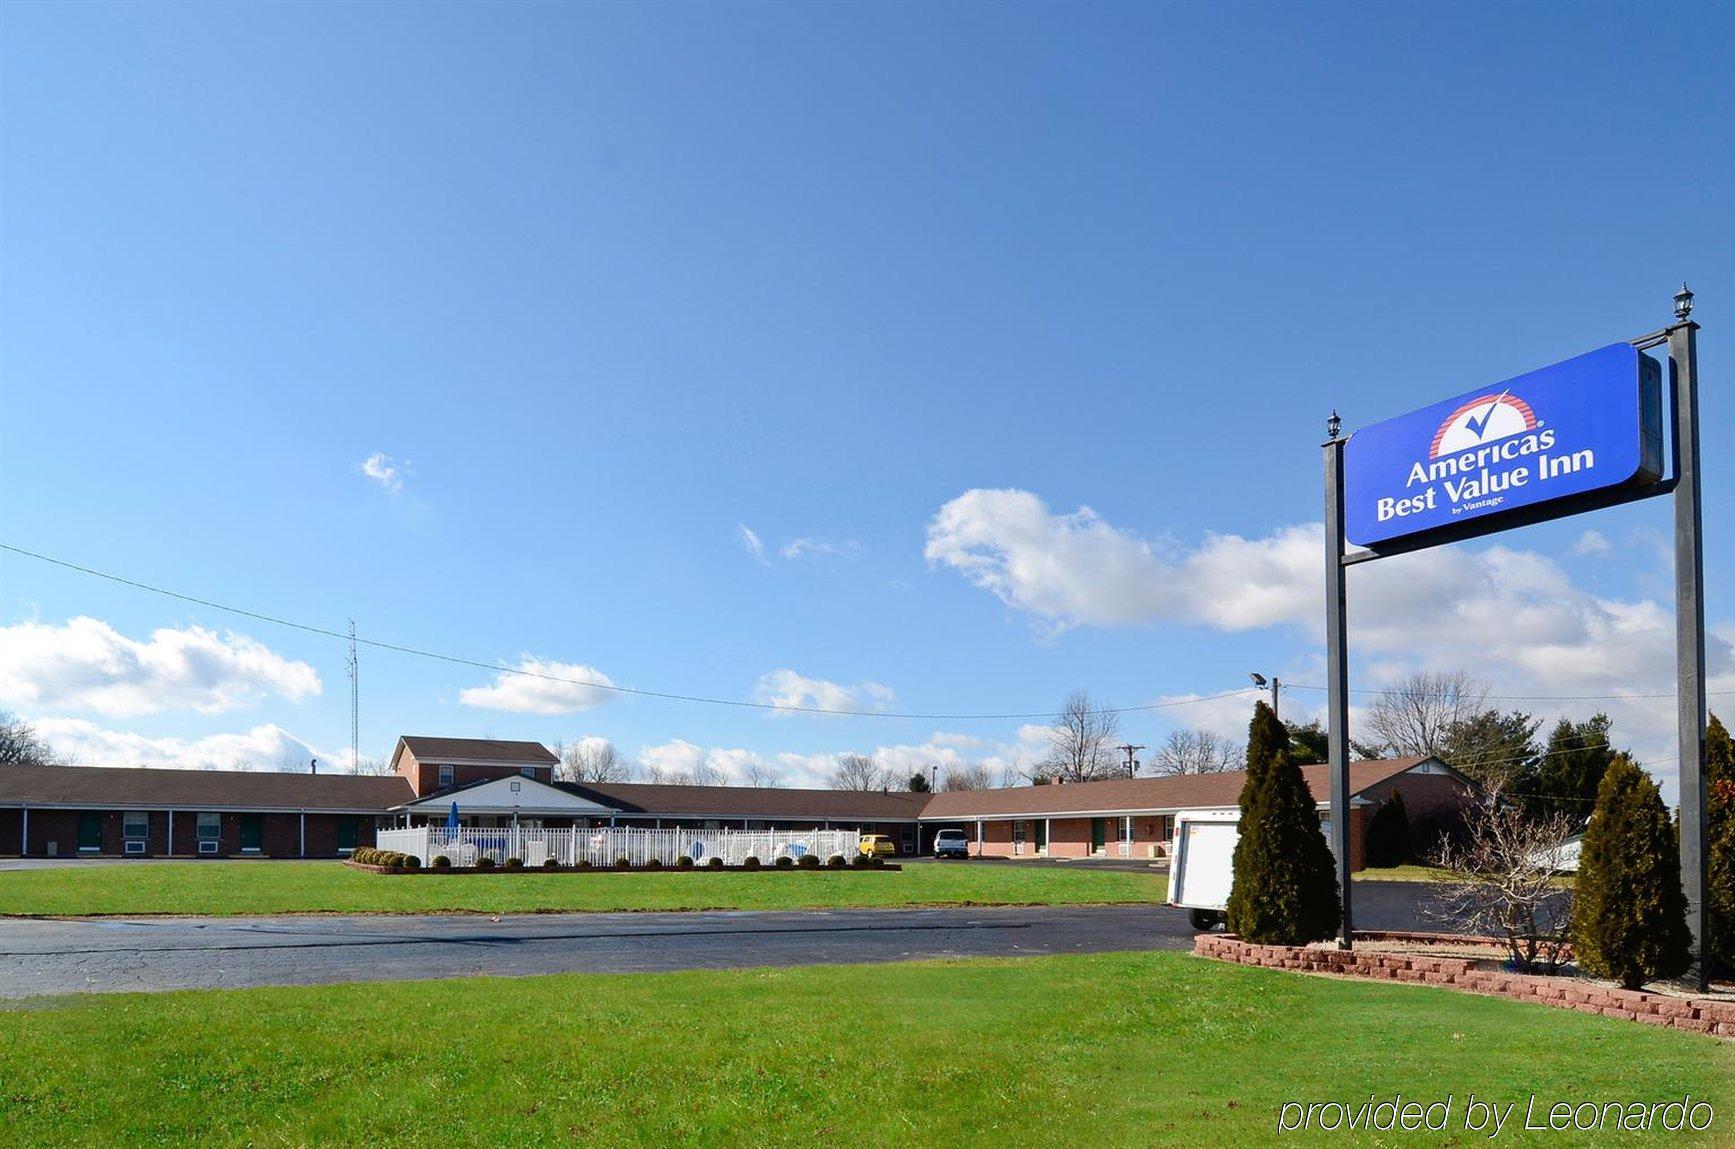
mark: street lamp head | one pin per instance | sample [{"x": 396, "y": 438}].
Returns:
[
  {"x": 1333, "y": 425},
  {"x": 1683, "y": 303},
  {"x": 1258, "y": 679}
]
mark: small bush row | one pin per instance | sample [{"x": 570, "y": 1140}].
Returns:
[{"x": 391, "y": 859}]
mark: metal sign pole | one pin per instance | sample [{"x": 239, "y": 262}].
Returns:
[
  {"x": 1690, "y": 634},
  {"x": 1337, "y": 675}
]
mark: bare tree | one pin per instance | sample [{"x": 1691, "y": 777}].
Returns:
[
  {"x": 968, "y": 776},
  {"x": 857, "y": 772},
  {"x": 1415, "y": 716},
  {"x": 20, "y": 745},
  {"x": 372, "y": 766},
  {"x": 703, "y": 773},
  {"x": 761, "y": 774},
  {"x": 590, "y": 759},
  {"x": 1081, "y": 745},
  {"x": 1195, "y": 752},
  {"x": 1502, "y": 881}
]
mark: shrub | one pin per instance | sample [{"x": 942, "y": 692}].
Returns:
[
  {"x": 876, "y": 862},
  {"x": 514, "y": 863},
  {"x": 715, "y": 863},
  {"x": 551, "y": 863},
  {"x": 836, "y": 862},
  {"x": 750, "y": 862},
  {"x": 860, "y": 861},
  {"x": 1388, "y": 834},
  {"x": 653, "y": 863},
  {"x": 1629, "y": 914},
  {"x": 785, "y": 863},
  {"x": 441, "y": 862},
  {"x": 484, "y": 862},
  {"x": 363, "y": 855},
  {"x": 583, "y": 864},
  {"x": 623, "y": 863},
  {"x": 1285, "y": 885},
  {"x": 1720, "y": 843},
  {"x": 685, "y": 862},
  {"x": 809, "y": 862},
  {"x": 411, "y": 862}
]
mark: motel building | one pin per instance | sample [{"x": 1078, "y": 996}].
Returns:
[{"x": 69, "y": 811}]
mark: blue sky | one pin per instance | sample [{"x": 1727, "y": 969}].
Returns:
[{"x": 899, "y": 289}]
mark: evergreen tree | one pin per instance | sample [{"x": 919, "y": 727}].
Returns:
[
  {"x": 1493, "y": 748},
  {"x": 1285, "y": 890},
  {"x": 1629, "y": 915},
  {"x": 1572, "y": 767},
  {"x": 1308, "y": 743},
  {"x": 919, "y": 782},
  {"x": 1720, "y": 842},
  {"x": 1388, "y": 834}
]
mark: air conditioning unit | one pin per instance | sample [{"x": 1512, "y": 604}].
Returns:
[
  {"x": 135, "y": 846},
  {"x": 208, "y": 846}
]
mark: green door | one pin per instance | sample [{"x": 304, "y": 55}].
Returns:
[
  {"x": 1098, "y": 827},
  {"x": 89, "y": 830},
  {"x": 1041, "y": 835},
  {"x": 252, "y": 832},
  {"x": 347, "y": 826}
]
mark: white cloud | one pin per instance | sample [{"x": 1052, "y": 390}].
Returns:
[
  {"x": 88, "y": 665},
  {"x": 267, "y": 747},
  {"x": 750, "y": 542},
  {"x": 388, "y": 473},
  {"x": 1511, "y": 617},
  {"x": 787, "y": 688},
  {"x": 1592, "y": 543},
  {"x": 805, "y": 548},
  {"x": 542, "y": 686}
]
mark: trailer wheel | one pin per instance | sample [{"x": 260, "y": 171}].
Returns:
[{"x": 1204, "y": 920}]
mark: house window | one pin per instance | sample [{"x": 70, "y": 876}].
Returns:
[
  {"x": 135, "y": 824},
  {"x": 210, "y": 827},
  {"x": 445, "y": 775},
  {"x": 527, "y": 771}
]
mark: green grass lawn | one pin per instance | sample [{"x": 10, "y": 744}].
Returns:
[
  {"x": 308, "y": 887},
  {"x": 1420, "y": 873},
  {"x": 1116, "y": 1049}
]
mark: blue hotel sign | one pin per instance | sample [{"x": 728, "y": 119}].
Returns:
[{"x": 1553, "y": 442}]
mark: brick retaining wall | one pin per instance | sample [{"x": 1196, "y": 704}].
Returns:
[{"x": 1697, "y": 1015}]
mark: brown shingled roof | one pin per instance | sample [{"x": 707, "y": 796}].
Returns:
[
  {"x": 428, "y": 749},
  {"x": 754, "y": 802},
  {"x": 149, "y": 789},
  {"x": 1191, "y": 791}
]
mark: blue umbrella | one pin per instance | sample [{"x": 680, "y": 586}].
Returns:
[{"x": 452, "y": 817}]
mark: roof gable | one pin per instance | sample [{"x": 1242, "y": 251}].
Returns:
[
  {"x": 506, "y": 795},
  {"x": 497, "y": 751}
]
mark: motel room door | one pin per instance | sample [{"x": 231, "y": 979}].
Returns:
[
  {"x": 1098, "y": 835},
  {"x": 89, "y": 830},
  {"x": 252, "y": 833}
]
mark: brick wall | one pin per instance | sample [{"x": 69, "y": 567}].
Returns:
[
  {"x": 424, "y": 777},
  {"x": 1698, "y": 1015},
  {"x": 281, "y": 837}
]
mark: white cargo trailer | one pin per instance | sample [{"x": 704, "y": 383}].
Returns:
[{"x": 1203, "y": 867}]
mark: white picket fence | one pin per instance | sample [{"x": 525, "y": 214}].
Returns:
[{"x": 601, "y": 846}]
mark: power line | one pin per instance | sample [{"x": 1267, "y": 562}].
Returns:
[
  {"x": 456, "y": 660},
  {"x": 1523, "y": 697}
]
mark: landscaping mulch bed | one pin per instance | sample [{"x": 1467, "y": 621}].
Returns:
[{"x": 1480, "y": 965}]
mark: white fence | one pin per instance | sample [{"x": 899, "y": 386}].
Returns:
[{"x": 602, "y": 846}]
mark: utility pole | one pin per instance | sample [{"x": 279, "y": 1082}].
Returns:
[
  {"x": 1260, "y": 681},
  {"x": 1132, "y": 763},
  {"x": 354, "y": 668}
]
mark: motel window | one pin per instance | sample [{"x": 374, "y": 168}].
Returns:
[
  {"x": 135, "y": 824},
  {"x": 210, "y": 827},
  {"x": 527, "y": 771},
  {"x": 445, "y": 775}
]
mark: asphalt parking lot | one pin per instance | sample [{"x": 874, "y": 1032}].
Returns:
[{"x": 106, "y": 955}]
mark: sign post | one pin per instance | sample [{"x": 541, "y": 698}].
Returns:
[{"x": 1579, "y": 435}]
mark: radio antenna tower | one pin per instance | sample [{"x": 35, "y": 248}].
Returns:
[{"x": 354, "y": 668}]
